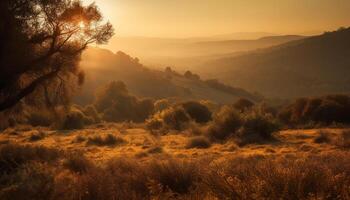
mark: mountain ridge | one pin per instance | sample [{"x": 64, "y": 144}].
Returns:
[{"x": 297, "y": 68}]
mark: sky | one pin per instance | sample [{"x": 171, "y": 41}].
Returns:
[{"x": 202, "y": 18}]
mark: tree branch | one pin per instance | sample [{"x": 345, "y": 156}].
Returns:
[{"x": 11, "y": 101}]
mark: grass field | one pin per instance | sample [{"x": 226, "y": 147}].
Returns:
[
  {"x": 125, "y": 161},
  {"x": 140, "y": 143}
]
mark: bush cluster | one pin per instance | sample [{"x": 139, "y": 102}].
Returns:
[
  {"x": 247, "y": 127},
  {"x": 116, "y": 104},
  {"x": 225, "y": 124},
  {"x": 326, "y": 109},
  {"x": 179, "y": 116}
]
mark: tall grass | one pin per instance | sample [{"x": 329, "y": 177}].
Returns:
[{"x": 41, "y": 173}]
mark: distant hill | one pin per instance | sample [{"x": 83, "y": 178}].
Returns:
[
  {"x": 310, "y": 66},
  {"x": 231, "y": 46},
  {"x": 190, "y": 51},
  {"x": 102, "y": 66}
]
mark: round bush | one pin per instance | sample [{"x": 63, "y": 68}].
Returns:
[
  {"x": 197, "y": 111},
  {"x": 175, "y": 118},
  {"x": 225, "y": 124},
  {"x": 256, "y": 128},
  {"x": 74, "y": 120}
]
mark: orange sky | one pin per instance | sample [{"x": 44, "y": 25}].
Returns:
[{"x": 192, "y": 18}]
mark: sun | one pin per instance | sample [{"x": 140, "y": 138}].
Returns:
[{"x": 81, "y": 25}]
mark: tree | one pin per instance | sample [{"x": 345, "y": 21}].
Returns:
[
  {"x": 116, "y": 104},
  {"x": 41, "y": 42}
]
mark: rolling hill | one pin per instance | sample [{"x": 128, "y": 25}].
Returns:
[
  {"x": 311, "y": 66},
  {"x": 191, "y": 51},
  {"x": 102, "y": 66}
]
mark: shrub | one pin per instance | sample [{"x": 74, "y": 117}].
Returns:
[
  {"x": 256, "y": 128},
  {"x": 192, "y": 76},
  {"x": 225, "y": 124},
  {"x": 39, "y": 118},
  {"x": 154, "y": 124},
  {"x": 14, "y": 156},
  {"x": 88, "y": 120},
  {"x": 90, "y": 111},
  {"x": 343, "y": 141},
  {"x": 199, "y": 142},
  {"x": 161, "y": 105},
  {"x": 129, "y": 178},
  {"x": 144, "y": 108},
  {"x": 243, "y": 104},
  {"x": 178, "y": 176},
  {"x": 175, "y": 118},
  {"x": 105, "y": 140},
  {"x": 281, "y": 178},
  {"x": 75, "y": 119},
  {"x": 38, "y": 173},
  {"x": 326, "y": 109},
  {"x": 77, "y": 162},
  {"x": 197, "y": 111},
  {"x": 36, "y": 136},
  {"x": 31, "y": 181},
  {"x": 322, "y": 137}
]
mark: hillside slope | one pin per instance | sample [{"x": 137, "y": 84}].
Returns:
[
  {"x": 102, "y": 66},
  {"x": 190, "y": 51},
  {"x": 312, "y": 66}
]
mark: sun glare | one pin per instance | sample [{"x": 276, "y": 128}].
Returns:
[{"x": 81, "y": 25}]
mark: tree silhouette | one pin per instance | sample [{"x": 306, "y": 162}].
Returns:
[{"x": 41, "y": 42}]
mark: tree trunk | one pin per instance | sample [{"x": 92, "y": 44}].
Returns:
[{"x": 13, "y": 100}]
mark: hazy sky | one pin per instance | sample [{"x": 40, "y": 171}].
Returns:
[{"x": 190, "y": 18}]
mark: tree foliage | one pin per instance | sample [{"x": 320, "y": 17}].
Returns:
[
  {"x": 117, "y": 105},
  {"x": 40, "y": 48}
]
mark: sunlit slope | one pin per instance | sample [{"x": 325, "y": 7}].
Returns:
[
  {"x": 188, "y": 51},
  {"x": 312, "y": 66},
  {"x": 102, "y": 66}
]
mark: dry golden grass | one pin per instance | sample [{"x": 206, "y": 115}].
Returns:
[
  {"x": 126, "y": 141},
  {"x": 299, "y": 164}
]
